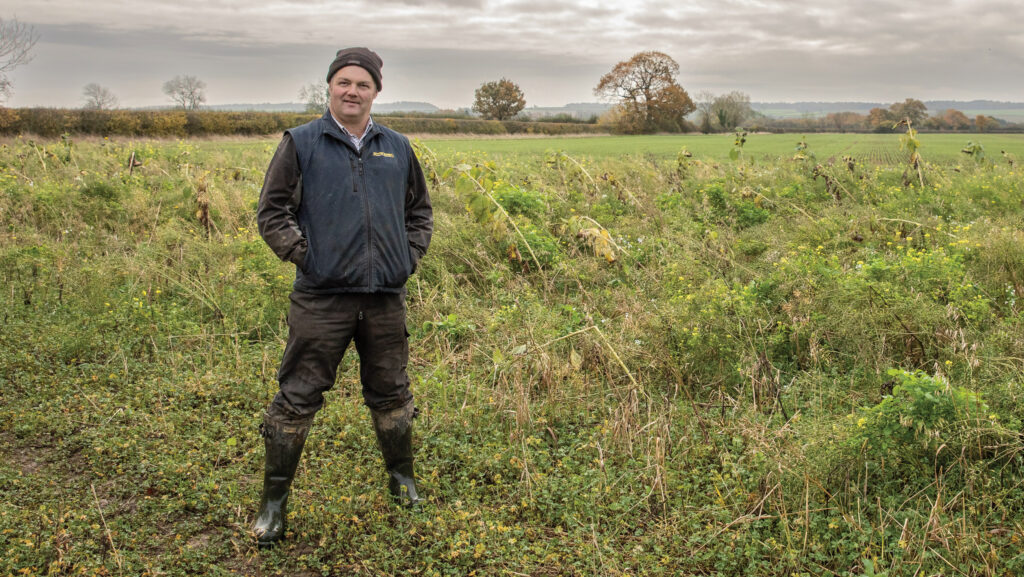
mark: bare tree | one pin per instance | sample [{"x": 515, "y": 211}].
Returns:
[
  {"x": 910, "y": 109},
  {"x": 315, "y": 96},
  {"x": 187, "y": 91},
  {"x": 843, "y": 121},
  {"x": 16, "y": 42},
  {"x": 98, "y": 97},
  {"x": 732, "y": 109},
  {"x": 705, "y": 111}
]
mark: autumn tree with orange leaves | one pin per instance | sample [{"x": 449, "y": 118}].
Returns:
[{"x": 649, "y": 98}]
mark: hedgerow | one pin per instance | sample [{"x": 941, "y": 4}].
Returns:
[{"x": 53, "y": 122}]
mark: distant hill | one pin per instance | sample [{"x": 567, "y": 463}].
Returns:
[
  {"x": 1011, "y": 111},
  {"x": 580, "y": 110},
  {"x": 381, "y": 107},
  {"x": 797, "y": 109},
  {"x": 264, "y": 107}
]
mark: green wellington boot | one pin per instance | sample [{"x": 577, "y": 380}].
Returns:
[
  {"x": 394, "y": 436},
  {"x": 284, "y": 442}
]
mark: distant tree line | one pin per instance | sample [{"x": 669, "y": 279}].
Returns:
[
  {"x": 52, "y": 122},
  {"x": 155, "y": 123},
  {"x": 885, "y": 120},
  {"x": 100, "y": 121}
]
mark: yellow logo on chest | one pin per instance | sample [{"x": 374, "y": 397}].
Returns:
[{"x": 384, "y": 154}]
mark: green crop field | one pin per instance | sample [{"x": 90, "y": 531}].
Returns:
[
  {"x": 627, "y": 362},
  {"x": 943, "y": 148}
]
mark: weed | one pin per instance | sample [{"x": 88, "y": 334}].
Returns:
[
  {"x": 975, "y": 151},
  {"x": 737, "y": 146},
  {"x": 911, "y": 144}
]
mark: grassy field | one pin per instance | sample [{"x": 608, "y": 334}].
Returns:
[
  {"x": 883, "y": 148},
  {"x": 626, "y": 365}
]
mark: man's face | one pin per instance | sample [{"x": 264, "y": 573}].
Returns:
[{"x": 352, "y": 92}]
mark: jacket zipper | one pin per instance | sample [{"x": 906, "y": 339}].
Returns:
[{"x": 369, "y": 232}]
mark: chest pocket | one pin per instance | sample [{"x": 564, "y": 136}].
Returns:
[{"x": 389, "y": 177}]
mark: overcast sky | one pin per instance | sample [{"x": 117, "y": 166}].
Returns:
[{"x": 256, "y": 51}]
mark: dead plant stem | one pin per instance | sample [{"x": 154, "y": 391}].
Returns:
[{"x": 110, "y": 539}]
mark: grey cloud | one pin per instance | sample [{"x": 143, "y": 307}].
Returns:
[
  {"x": 781, "y": 75},
  {"x": 253, "y": 50},
  {"x": 433, "y": 4},
  {"x": 535, "y": 7},
  {"x": 902, "y": 32},
  {"x": 580, "y": 11},
  {"x": 451, "y": 76}
]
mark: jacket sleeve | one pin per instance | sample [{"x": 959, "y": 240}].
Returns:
[
  {"x": 279, "y": 204},
  {"x": 419, "y": 215}
]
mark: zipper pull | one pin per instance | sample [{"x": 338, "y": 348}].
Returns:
[{"x": 360, "y": 315}]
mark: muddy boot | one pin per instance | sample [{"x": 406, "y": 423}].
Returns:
[
  {"x": 394, "y": 436},
  {"x": 284, "y": 441}
]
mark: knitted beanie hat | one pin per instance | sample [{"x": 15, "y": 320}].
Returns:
[{"x": 358, "y": 56}]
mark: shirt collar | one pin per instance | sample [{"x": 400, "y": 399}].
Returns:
[{"x": 357, "y": 141}]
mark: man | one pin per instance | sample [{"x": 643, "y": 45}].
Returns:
[{"x": 345, "y": 200}]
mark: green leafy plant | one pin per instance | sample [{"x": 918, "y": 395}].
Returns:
[
  {"x": 683, "y": 162},
  {"x": 479, "y": 187},
  {"x": 739, "y": 210},
  {"x": 450, "y": 325},
  {"x": 975, "y": 151},
  {"x": 737, "y": 146},
  {"x": 871, "y": 571},
  {"x": 803, "y": 152},
  {"x": 571, "y": 169},
  {"x": 923, "y": 417}
]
